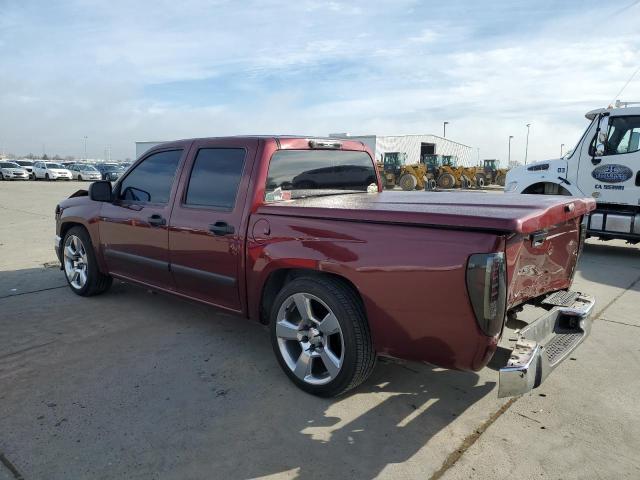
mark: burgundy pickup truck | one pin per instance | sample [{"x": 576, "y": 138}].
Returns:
[{"x": 297, "y": 233}]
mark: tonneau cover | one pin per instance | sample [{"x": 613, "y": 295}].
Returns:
[{"x": 466, "y": 210}]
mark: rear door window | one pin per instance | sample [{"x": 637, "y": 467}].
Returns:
[
  {"x": 151, "y": 180},
  {"x": 215, "y": 178},
  {"x": 308, "y": 172}
]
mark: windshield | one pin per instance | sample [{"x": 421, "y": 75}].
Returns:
[
  {"x": 9, "y": 165},
  {"x": 308, "y": 173},
  {"x": 24, "y": 164},
  {"x": 54, "y": 165},
  {"x": 110, "y": 168}
]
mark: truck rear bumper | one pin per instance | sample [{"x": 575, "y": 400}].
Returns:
[{"x": 543, "y": 344}]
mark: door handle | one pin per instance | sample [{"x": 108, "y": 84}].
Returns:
[
  {"x": 221, "y": 228},
  {"x": 156, "y": 220}
]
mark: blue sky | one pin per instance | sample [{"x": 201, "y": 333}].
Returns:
[{"x": 122, "y": 71}]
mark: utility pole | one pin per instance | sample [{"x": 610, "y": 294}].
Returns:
[
  {"x": 526, "y": 149},
  {"x": 85, "y": 148},
  {"x": 444, "y": 129},
  {"x": 561, "y": 148},
  {"x": 509, "y": 158},
  {"x": 478, "y": 155}
]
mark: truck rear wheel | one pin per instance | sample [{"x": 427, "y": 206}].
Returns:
[
  {"x": 320, "y": 336},
  {"x": 408, "y": 182},
  {"x": 446, "y": 180},
  {"x": 480, "y": 181}
]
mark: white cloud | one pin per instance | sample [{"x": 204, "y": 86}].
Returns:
[{"x": 75, "y": 69}]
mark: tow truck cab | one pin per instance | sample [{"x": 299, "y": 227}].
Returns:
[{"x": 605, "y": 164}]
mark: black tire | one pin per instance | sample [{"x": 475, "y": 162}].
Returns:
[
  {"x": 446, "y": 180},
  {"x": 97, "y": 282},
  {"x": 408, "y": 182},
  {"x": 359, "y": 355},
  {"x": 1, "y": 177},
  {"x": 46, "y": 177}
]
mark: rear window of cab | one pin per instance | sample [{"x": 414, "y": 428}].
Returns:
[{"x": 309, "y": 172}]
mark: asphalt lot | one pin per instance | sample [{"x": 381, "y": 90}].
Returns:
[{"x": 138, "y": 385}]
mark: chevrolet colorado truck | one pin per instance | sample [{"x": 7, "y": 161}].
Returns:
[{"x": 297, "y": 233}]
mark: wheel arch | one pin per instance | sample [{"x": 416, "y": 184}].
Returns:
[
  {"x": 277, "y": 279},
  {"x": 547, "y": 188},
  {"x": 67, "y": 224}
]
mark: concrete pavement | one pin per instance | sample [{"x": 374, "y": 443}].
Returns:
[{"x": 137, "y": 385}]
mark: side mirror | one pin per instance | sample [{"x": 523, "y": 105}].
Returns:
[{"x": 100, "y": 191}]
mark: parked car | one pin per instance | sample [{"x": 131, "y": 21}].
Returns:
[
  {"x": 27, "y": 165},
  {"x": 50, "y": 171},
  {"x": 340, "y": 275},
  {"x": 84, "y": 171},
  {"x": 110, "y": 171},
  {"x": 12, "y": 171}
]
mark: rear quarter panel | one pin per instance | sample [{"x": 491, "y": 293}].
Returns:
[{"x": 411, "y": 279}]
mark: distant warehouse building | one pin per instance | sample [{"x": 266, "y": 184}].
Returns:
[{"x": 414, "y": 146}]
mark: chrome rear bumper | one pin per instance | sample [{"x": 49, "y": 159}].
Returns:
[{"x": 543, "y": 344}]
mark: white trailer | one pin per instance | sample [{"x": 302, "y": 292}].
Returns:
[{"x": 605, "y": 165}]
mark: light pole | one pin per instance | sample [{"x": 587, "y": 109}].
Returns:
[
  {"x": 509, "y": 157},
  {"x": 561, "y": 148},
  {"x": 444, "y": 129},
  {"x": 526, "y": 148},
  {"x": 85, "y": 147}
]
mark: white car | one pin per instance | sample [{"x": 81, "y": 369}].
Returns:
[
  {"x": 82, "y": 171},
  {"x": 12, "y": 171},
  {"x": 50, "y": 171},
  {"x": 27, "y": 165}
]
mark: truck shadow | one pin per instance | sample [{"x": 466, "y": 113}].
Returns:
[
  {"x": 384, "y": 422},
  {"x": 171, "y": 389}
]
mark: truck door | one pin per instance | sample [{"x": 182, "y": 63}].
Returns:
[
  {"x": 206, "y": 238},
  {"x": 133, "y": 228},
  {"x": 615, "y": 176}
]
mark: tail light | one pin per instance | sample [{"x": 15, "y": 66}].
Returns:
[{"x": 487, "y": 287}]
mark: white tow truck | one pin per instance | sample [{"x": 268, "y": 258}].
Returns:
[{"x": 605, "y": 165}]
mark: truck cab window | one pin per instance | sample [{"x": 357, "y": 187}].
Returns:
[
  {"x": 215, "y": 177},
  {"x": 151, "y": 180},
  {"x": 319, "y": 172},
  {"x": 623, "y": 136}
]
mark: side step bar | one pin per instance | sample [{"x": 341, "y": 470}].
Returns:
[{"x": 546, "y": 342}]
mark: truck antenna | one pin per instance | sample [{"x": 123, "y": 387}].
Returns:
[{"x": 625, "y": 86}]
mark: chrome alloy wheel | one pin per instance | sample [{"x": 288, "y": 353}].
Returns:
[
  {"x": 75, "y": 262},
  {"x": 310, "y": 338}
]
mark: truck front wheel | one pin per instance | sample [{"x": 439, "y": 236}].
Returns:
[
  {"x": 80, "y": 265},
  {"x": 320, "y": 336}
]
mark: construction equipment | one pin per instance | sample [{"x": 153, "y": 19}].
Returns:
[
  {"x": 492, "y": 173},
  {"x": 451, "y": 175},
  {"x": 394, "y": 172}
]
